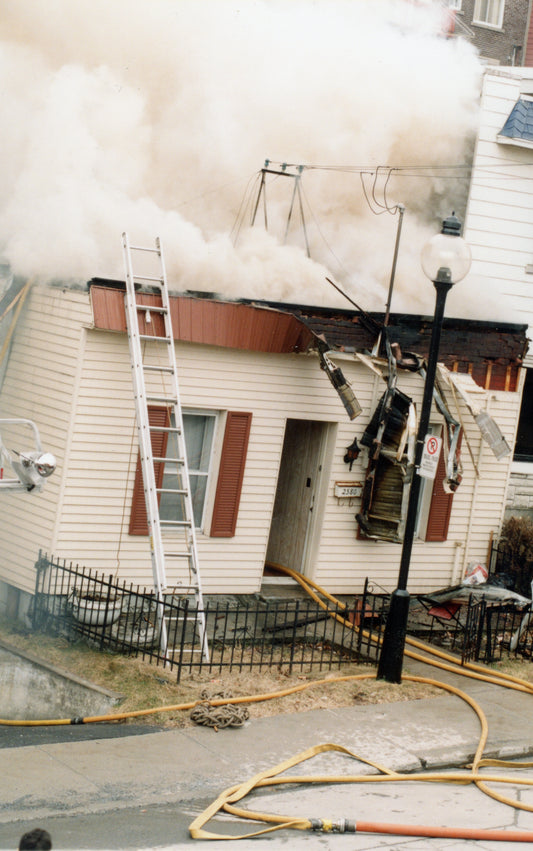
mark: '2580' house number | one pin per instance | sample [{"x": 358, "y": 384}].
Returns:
[{"x": 348, "y": 489}]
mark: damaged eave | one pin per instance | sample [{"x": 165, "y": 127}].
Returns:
[
  {"x": 206, "y": 321},
  {"x": 492, "y": 352}
]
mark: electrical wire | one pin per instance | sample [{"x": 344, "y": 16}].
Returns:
[
  {"x": 244, "y": 206},
  {"x": 452, "y": 171}
]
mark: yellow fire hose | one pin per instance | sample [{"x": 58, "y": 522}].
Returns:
[
  {"x": 226, "y": 801},
  {"x": 271, "y": 777}
]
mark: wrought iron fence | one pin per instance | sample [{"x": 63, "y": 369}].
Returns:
[
  {"x": 242, "y": 632},
  {"x": 251, "y": 632},
  {"x": 480, "y": 630}
]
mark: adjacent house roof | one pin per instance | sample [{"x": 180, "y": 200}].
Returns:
[
  {"x": 492, "y": 352},
  {"x": 518, "y": 129}
]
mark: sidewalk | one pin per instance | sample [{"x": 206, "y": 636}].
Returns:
[{"x": 102, "y": 774}]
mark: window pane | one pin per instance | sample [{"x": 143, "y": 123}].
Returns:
[
  {"x": 198, "y": 430},
  {"x": 198, "y": 438},
  {"x": 489, "y": 12}
]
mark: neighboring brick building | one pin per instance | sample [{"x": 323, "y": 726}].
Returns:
[{"x": 497, "y": 28}]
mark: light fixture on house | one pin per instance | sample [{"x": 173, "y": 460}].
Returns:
[
  {"x": 446, "y": 259},
  {"x": 31, "y": 467}
]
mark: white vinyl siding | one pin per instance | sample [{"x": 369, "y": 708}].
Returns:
[
  {"x": 499, "y": 220},
  {"x": 83, "y": 513},
  {"x": 42, "y": 365}
]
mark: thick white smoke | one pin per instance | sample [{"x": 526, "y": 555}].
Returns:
[{"x": 153, "y": 116}]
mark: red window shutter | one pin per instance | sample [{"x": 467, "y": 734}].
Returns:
[
  {"x": 231, "y": 473},
  {"x": 138, "y": 517},
  {"x": 441, "y": 505}
]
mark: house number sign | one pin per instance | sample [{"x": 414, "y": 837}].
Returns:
[{"x": 348, "y": 490}]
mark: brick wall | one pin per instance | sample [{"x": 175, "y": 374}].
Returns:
[
  {"x": 520, "y": 495},
  {"x": 498, "y": 45}
]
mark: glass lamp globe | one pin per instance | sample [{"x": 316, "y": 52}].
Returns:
[{"x": 446, "y": 256}]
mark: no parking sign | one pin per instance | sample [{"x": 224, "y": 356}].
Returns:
[{"x": 430, "y": 456}]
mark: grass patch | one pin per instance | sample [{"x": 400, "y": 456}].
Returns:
[{"x": 148, "y": 686}]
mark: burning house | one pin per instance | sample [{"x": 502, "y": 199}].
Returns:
[{"x": 284, "y": 470}]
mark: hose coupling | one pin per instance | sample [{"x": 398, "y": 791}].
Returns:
[{"x": 341, "y": 825}]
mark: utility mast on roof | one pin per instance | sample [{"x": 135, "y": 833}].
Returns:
[{"x": 285, "y": 171}]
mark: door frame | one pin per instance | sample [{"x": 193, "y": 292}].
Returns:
[{"x": 321, "y": 467}]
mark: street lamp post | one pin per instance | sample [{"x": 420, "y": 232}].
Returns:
[{"x": 445, "y": 260}]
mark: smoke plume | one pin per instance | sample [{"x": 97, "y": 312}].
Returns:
[{"x": 155, "y": 117}]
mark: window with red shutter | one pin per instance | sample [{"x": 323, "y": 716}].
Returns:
[
  {"x": 138, "y": 518},
  {"x": 199, "y": 430},
  {"x": 231, "y": 473},
  {"x": 441, "y": 505}
]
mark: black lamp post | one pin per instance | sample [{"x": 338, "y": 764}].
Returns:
[{"x": 445, "y": 260}]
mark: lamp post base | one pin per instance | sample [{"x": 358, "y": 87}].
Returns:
[{"x": 391, "y": 658}]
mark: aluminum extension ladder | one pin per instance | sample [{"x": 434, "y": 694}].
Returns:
[{"x": 155, "y": 381}]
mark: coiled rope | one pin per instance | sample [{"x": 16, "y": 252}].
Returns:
[{"x": 223, "y": 715}]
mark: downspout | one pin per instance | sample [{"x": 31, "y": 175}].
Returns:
[
  {"x": 520, "y": 391},
  {"x": 527, "y": 32}
]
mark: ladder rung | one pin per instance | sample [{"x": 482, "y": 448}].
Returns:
[
  {"x": 171, "y": 400},
  {"x": 172, "y": 490},
  {"x": 179, "y": 524},
  {"x": 150, "y": 368},
  {"x": 157, "y": 278},
  {"x": 167, "y": 429},
  {"x": 155, "y": 339},
  {"x": 179, "y": 555},
  {"x": 150, "y": 308},
  {"x": 168, "y": 460},
  {"x": 144, "y": 248}
]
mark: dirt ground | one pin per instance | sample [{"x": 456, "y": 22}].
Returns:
[{"x": 151, "y": 687}]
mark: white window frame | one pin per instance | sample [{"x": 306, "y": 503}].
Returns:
[
  {"x": 455, "y": 4},
  {"x": 193, "y": 473},
  {"x": 489, "y": 13}
]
